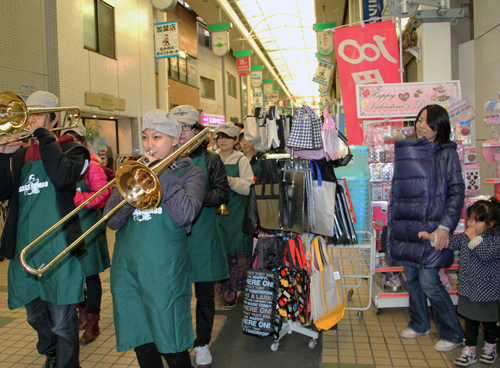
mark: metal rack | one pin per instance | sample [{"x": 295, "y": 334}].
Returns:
[{"x": 357, "y": 263}]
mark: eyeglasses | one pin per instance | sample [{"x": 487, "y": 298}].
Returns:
[{"x": 187, "y": 128}]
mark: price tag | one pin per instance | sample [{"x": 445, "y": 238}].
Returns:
[{"x": 336, "y": 274}]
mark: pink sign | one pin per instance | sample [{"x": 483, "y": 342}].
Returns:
[
  {"x": 404, "y": 99},
  {"x": 243, "y": 65},
  {"x": 461, "y": 111},
  {"x": 365, "y": 55},
  {"x": 215, "y": 120}
]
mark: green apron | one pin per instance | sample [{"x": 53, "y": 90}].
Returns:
[
  {"x": 236, "y": 241},
  {"x": 151, "y": 283},
  {"x": 205, "y": 242},
  {"x": 38, "y": 211},
  {"x": 96, "y": 259}
]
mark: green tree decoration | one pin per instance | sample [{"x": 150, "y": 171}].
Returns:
[{"x": 92, "y": 131}]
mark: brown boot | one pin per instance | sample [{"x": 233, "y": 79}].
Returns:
[
  {"x": 92, "y": 330},
  {"x": 82, "y": 317}
]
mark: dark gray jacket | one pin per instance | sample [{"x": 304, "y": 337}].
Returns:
[{"x": 182, "y": 196}]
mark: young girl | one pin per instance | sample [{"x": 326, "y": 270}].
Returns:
[
  {"x": 96, "y": 259},
  {"x": 238, "y": 244},
  {"x": 150, "y": 274},
  {"x": 479, "y": 279},
  {"x": 427, "y": 195}
]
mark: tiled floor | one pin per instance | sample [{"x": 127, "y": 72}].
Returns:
[{"x": 372, "y": 341}]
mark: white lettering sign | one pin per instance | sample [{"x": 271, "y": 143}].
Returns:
[{"x": 377, "y": 49}]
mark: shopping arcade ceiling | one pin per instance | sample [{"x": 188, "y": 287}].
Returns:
[{"x": 281, "y": 35}]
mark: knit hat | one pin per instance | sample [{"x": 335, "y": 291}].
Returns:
[
  {"x": 42, "y": 98},
  {"x": 228, "y": 129},
  {"x": 185, "y": 114},
  {"x": 79, "y": 130},
  {"x": 159, "y": 121}
]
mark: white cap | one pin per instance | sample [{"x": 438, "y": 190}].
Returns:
[
  {"x": 42, "y": 98},
  {"x": 159, "y": 121}
]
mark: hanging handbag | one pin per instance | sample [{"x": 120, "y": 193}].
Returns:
[
  {"x": 269, "y": 196},
  {"x": 324, "y": 202},
  {"x": 251, "y": 124},
  {"x": 306, "y": 130},
  {"x": 262, "y": 144},
  {"x": 272, "y": 129},
  {"x": 327, "y": 305},
  {"x": 330, "y": 136},
  {"x": 345, "y": 152}
]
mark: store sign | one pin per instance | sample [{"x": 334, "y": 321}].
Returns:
[
  {"x": 166, "y": 39},
  {"x": 323, "y": 72},
  {"x": 220, "y": 38},
  {"x": 275, "y": 95},
  {"x": 104, "y": 101},
  {"x": 268, "y": 87},
  {"x": 404, "y": 99},
  {"x": 324, "y": 37},
  {"x": 461, "y": 111},
  {"x": 257, "y": 99},
  {"x": 256, "y": 76},
  {"x": 213, "y": 120},
  {"x": 365, "y": 55},
  {"x": 372, "y": 10}
]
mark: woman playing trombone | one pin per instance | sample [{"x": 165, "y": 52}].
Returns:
[{"x": 150, "y": 273}]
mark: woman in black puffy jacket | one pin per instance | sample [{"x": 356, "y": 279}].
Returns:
[{"x": 427, "y": 195}]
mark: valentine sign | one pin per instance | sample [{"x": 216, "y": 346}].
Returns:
[
  {"x": 461, "y": 111},
  {"x": 404, "y": 99},
  {"x": 365, "y": 55}
]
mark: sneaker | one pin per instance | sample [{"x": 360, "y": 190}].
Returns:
[
  {"x": 489, "y": 354},
  {"x": 410, "y": 333},
  {"x": 467, "y": 357},
  {"x": 443, "y": 345},
  {"x": 51, "y": 361},
  {"x": 203, "y": 356},
  {"x": 230, "y": 300}
]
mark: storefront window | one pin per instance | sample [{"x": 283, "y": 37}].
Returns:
[
  {"x": 182, "y": 68},
  {"x": 192, "y": 71}
]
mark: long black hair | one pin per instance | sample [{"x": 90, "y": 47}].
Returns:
[
  {"x": 439, "y": 121},
  {"x": 486, "y": 211}
]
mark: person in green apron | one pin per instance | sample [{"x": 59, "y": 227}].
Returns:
[
  {"x": 96, "y": 260},
  {"x": 252, "y": 154},
  {"x": 40, "y": 183},
  {"x": 205, "y": 242},
  {"x": 238, "y": 244},
  {"x": 151, "y": 268}
]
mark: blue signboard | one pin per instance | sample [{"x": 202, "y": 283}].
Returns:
[{"x": 372, "y": 10}]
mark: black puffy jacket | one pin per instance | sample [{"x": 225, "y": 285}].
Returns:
[
  {"x": 427, "y": 191},
  {"x": 217, "y": 177}
]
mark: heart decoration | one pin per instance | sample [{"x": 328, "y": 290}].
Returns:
[{"x": 404, "y": 97}]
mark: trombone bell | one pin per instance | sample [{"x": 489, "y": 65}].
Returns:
[
  {"x": 222, "y": 210},
  {"x": 13, "y": 113},
  {"x": 138, "y": 185}
]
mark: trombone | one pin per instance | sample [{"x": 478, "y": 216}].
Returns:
[
  {"x": 14, "y": 115},
  {"x": 139, "y": 186}
]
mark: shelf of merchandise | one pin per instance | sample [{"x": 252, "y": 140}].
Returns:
[
  {"x": 491, "y": 144},
  {"x": 396, "y": 299},
  {"x": 492, "y": 181}
]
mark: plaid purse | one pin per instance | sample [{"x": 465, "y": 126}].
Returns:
[{"x": 306, "y": 130}]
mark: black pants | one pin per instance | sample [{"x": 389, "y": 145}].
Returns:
[
  {"x": 205, "y": 312},
  {"x": 472, "y": 330},
  {"x": 93, "y": 294},
  {"x": 148, "y": 356}
]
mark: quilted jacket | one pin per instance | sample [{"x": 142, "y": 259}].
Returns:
[
  {"x": 95, "y": 179},
  {"x": 427, "y": 191}
]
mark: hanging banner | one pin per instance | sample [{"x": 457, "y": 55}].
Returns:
[
  {"x": 323, "y": 72},
  {"x": 257, "y": 99},
  {"x": 325, "y": 99},
  {"x": 256, "y": 76},
  {"x": 243, "y": 62},
  {"x": 166, "y": 39},
  {"x": 324, "y": 38},
  {"x": 372, "y": 10},
  {"x": 220, "y": 38},
  {"x": 276, "y": 93},
  {"x": 365, "y": 55},
  {"x": 268, "y": 87},
  {"x": 404, "y": 99}
]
